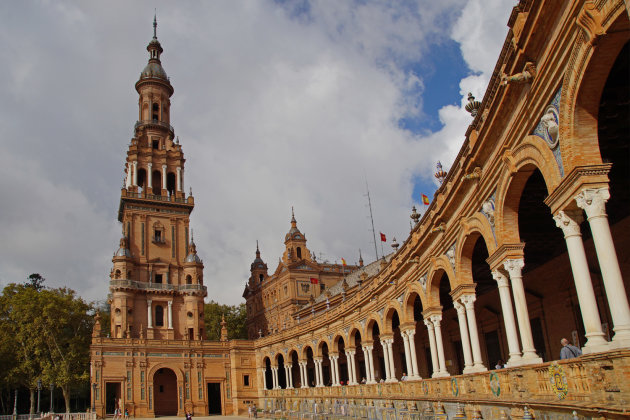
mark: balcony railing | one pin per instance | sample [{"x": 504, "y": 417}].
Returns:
[
  {"x": 154, "y": 123},
  {"x": 172, "y": 198},
  {"x": 134, "y": 284}
]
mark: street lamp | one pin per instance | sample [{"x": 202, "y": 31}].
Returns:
[
  {"x": 52, "y": 388},
  {"x": 39, "y": 390},
  {"x": 93, "y": 397}
]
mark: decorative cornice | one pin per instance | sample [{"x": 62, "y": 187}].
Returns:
[
  {"x": 505, "y": 252},
  {"x": 580, "y": 177}
]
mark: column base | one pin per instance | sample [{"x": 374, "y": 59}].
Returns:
[
  {"x": 370, "y": 382},
  {"x": 468, "y": 369},
  {"x": 528, "y": 361},
  {"x": 478, "y": 368},
  {"x": 414, "y": 378},
  {"x": 590, "y": 348},
  {"x": 336, "y": 384},
  {"x": 319, "y": 386},
  {"x": 391, "y": 380},
  {"x": 621, "y": 339},
  {"x": 440, "y": 375}
]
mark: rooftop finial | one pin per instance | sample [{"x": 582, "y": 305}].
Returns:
[
  {"x": 192, "y": 236},
  {"x": 155, "y": 24}
]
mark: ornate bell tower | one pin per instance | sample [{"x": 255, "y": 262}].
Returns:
[{"x": 156, "y": 282}]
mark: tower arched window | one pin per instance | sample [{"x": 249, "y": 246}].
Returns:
[
  {"x": 157, "y": 182},
  {"x": 159, "y": 316},
  {"x": 261, "y": 277},
  {"x": 142, "y": 178},
  {"x": 188, "y": 279},
  {"x": 117, "y": 274},
  {"x": 299, "y": 253},
  {"x": 170, "y": 183},
  {"x": 156, "y": 112}
]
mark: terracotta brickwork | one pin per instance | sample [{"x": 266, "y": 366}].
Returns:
[
  {"x": 155, "y": 359},
  {"x": 525, "y": 243}
]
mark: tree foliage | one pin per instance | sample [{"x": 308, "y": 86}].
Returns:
[
  {"x": 44, "y": 335},
  {"x": 235, "y": 317}
]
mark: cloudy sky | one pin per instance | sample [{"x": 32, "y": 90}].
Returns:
[{"x": 277, "y": 104}]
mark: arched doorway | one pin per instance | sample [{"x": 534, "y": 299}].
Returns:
[{"x": 165, "y": 392}]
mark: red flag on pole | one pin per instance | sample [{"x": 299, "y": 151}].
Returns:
[
  {"x": 343, "y": 262},
  {"x": 425, "y": 200},
  {"x": 314, "y": 280},
  {"x": 383, "y": 238}
]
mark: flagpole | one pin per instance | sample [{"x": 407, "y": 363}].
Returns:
[{"x": 372, "y": 218}]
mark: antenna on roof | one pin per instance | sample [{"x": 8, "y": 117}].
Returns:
[{"x": 371, "y": 216}]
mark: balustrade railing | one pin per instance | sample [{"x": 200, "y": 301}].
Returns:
[
  {"x": 154, "y": 123},
  {"x": 154, "y": 286},
  {"x": 156, "y": 197}
]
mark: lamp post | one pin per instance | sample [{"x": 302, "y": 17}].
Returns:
[
  {"x": 93, "y": 397},
  {"x": 52, "y": 388},
  {"x": 39, "y": 391}
]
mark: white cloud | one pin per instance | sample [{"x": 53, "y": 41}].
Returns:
[{"x": 273, "y": 110}]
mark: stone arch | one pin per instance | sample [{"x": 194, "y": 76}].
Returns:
[
  {"x": 475, "y": 228},
  {"x": 178, "y": 372},
  {"x": 391, "y": 308},
  {"x": 352, "y": 335},
  {"x": 304, "y": 354},
  {"x": 528, "y": 159},
  {"x": 320, "y": 346},
  {"x": 278, "y": 354},
  {"x": 440, "y": 266},
  {"x": 374, "y": 318},
  {"x": 590, "y": 62},
  {"x": 335, "y": 341},
  {"x": 408, "y": 302}
]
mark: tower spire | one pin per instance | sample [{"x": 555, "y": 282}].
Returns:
[{"x": 155, "y": 25}]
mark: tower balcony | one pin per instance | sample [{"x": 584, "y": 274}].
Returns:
[
  {"x": 154, "y": 124},
  {"x": 122, "y": 284}
]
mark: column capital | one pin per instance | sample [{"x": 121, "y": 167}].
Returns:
[
  {"x": 514, "y": 266},
  {"x": 149, "y": 164},
  {"x": 436, "y": 319},
  {"x": 164, "y": 166},
  {"x": 468, "y": 300},
  {"x": 569, "y": 221},
  {"x": 428, "y": 323},
  {"x": 169, "y": 303},
  {"x": 459, "y": 307},
  {"x": 593, "y": 201},
  {"x": 500, "y": 278}
]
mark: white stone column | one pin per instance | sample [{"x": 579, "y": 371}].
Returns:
[
  {"x": 263, "y": 371},
  {"x": 276, "y": 382},
  {"x": 433, "y": 348},
  {"x": 392, "y": 367},
  {"x": 289, "y": 376},
  {"x": 465, "y": 339},
  {"x": 593, "y": 201},
  {"x": 352, "y": 374},
  {"x": 514, "y": 268},
  {"x": 386, "y": 359},
  {"x": 129, "y": 175},
  {"x": 149, "y": 177},
  {"x": 318, "y": 373},
  {"x": 469, "y": 303},
  {"x": 415, "y": 375},
  {"x": 163, "y": 177},
  {"x": 135, "y": 173},
  {"x": 436, "y": 319},
  {"x": 369, "y": 365},
  {"x": 149, "y": 313},
  {"x": 334, "y": 367},
  {"x": 179, "y": 179},
  {"x": 569, "y": 222},
  {"x": 303, "y": 375},
  {"x": 405, "y": 337},
  {"x": 508, "y": 318},
  {"x": 169, "y": 312}
]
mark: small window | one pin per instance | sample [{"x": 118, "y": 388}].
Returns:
[
  {"x": 261, "y": 278},
  {"x": 245, "y": 380},
  {"x": 299, "y": 253},
  {"x": 161, "y": 388},
  {"x": 322, "y": 287},
  {"x": 188, "y": 279},
  {"x": 156, "y": 143},
  {"x": 191, "y": 333},
  {"x": 158, "y": 278},
  {"x": 158, "y": 236}
]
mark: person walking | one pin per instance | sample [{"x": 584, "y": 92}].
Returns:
[{"x": 569, "y": 351}]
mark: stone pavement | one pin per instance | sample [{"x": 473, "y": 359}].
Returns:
[{"x": 194, "y": 418}]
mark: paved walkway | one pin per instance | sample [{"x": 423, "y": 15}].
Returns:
[{"x": 194, "y": 418}]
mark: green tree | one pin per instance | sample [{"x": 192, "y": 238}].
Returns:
[
  {"x": 66, "y": 323},
  {"x": 20, "y": 310},
  {"x": 235, "y": 317},
  {"x": 36, "y": 281}
]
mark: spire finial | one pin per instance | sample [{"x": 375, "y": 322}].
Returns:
[
  {"x": 155, "y": 24},
  {"x": 192, "y": 236},
  {"x": 256, "y": 245}
]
